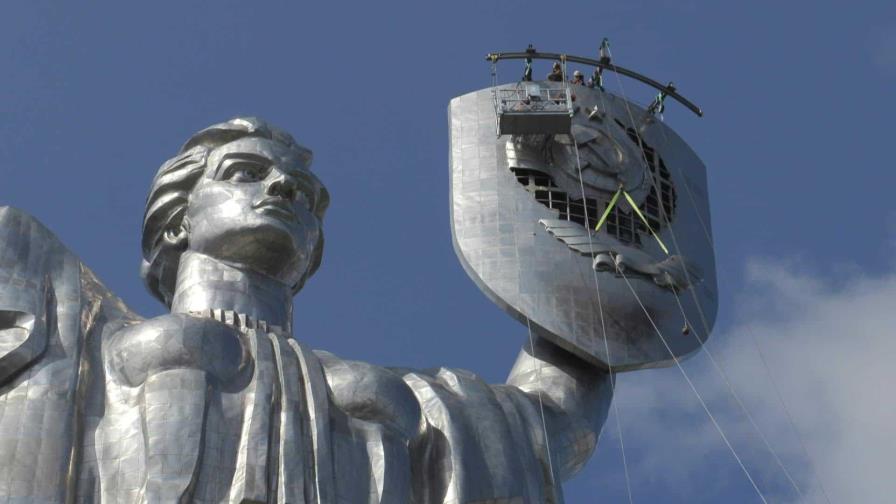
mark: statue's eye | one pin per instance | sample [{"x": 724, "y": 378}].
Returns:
[{"x": 244, "y": 171}]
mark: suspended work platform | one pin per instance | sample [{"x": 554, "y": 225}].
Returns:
[
  {"x": 546, "y": 107},
  {"x": 534, "y": 108}
]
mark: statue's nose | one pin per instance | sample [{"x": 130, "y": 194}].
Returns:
[{"x": 284, "y": 186}]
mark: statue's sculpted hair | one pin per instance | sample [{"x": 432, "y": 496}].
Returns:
[{"x": 169, "y": 196}]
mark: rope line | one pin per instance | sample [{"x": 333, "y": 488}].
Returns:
[
  {"x": 538, "y": 363},
  {"x": 628, "y": 486},
  {"x": 665, "y": 217},
  {"x": 755, "y": 342},
  {"x": 799, "y": 435},
  {"x": 693, "y": 388},
  {"x": 600, "y": 308},
  {"x": 544, "y": 425},
  {"x": 758, "y": 349},
  {"x": 495, "y": 97},
  {"x": 718, "y": 368},
  {"x": 706, "y": 326},
  {"x": 740, "y": 403}
]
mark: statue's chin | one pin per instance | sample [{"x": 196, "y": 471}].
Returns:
[
  {"x": 277, "y": 255},
  {"x": 282, "y": 263}
]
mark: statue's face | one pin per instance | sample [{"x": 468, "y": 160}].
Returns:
[{"x": 253, "y": 208}]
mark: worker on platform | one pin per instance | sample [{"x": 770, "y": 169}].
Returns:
[
  {"x": 597, "y": 79},
  {"x": 556, "y": 74},
  {"x": 578, "y": 78}
]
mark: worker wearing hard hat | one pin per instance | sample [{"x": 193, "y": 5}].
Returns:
[{"x": 578, "y": 78}]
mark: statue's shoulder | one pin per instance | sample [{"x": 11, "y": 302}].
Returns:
[
  {"x": 172, "y": 341},
  {"x": 10, "y": 214},
  {"x": 34, "y": 264},
  {"x": 24, "y": 239}
]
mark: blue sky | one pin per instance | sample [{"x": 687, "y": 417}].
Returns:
[{"x": 796, "y": 138}]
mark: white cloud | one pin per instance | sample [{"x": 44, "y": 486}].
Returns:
[{"x": 831, "y": 347}]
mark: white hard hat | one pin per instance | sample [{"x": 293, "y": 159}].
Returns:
[{"x": 577, "y": 74}]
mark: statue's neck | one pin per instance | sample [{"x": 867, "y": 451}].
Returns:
[{"x": 204, "y": 283}]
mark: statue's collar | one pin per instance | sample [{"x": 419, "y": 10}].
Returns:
[{"x": 240, "y": 321}]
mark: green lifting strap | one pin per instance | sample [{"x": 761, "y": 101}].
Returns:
[
  {"x": 603, "y": 218},
  {"x": 612, "y": 203},
  {"x": 644, "y": 220}
]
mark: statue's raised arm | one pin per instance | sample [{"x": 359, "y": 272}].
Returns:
[{"x": 219, "y": 400}]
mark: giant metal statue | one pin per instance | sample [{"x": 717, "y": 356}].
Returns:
[{"x": 220, "y": 401}]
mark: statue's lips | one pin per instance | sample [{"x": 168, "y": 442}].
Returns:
[{"x": 277, "y": 207}]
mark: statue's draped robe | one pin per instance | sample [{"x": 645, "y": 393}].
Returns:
[{"x": 98, "y": 405}]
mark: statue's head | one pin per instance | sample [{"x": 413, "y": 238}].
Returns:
[{"x": 240, "y": 192}]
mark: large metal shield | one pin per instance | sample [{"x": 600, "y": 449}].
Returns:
[{"x": 525, "y": 234}]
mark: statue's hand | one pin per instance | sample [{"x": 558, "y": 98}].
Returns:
[{"x": 175, "y": 341}]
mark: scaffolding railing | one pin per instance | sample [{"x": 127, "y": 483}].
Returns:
[{"x": 534, "y": 108}]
